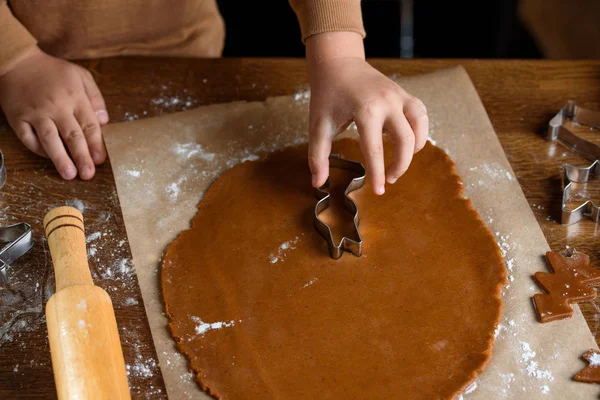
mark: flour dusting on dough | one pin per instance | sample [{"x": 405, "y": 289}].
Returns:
[
  {"x": 594, "y": 360},
  {"x": 204, "y": 327},
  {"x": 283, "y": 248},
  {"x": 310, "y": 282}
]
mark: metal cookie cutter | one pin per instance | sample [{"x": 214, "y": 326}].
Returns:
[
  {"x": 558, "y": 131},
  {"x": 2, "y": 170},
  {"x": 346, "y": 244},
  {"x": 583, "y": 116},
  {"x": 587, "y": 209},
  {"x": 19, "y": 240}
]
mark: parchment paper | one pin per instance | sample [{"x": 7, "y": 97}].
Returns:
[{"x": 163, "y": 165}]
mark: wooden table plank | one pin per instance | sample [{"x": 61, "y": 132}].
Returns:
[{"x": 520, "y": 97}]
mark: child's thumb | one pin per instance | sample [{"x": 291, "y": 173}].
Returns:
[{"x": 95, "y": 97}]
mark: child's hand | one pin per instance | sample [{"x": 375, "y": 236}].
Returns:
[
  {"x": 345, "y": 88},
  {"x": 56, "y": 110}
]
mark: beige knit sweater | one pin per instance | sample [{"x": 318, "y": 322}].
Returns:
[{"x": 75, "y": 29}]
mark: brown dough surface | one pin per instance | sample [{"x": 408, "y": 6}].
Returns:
[
  {"x": 414, "y": 317},
  {"x": 568, "y": 283}
]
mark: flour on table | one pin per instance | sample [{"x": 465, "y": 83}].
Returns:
[
  {"x": 141, "y": 368},
  {"x": 75, "y": 203},
  {"x": 93, "y": 236},
  {"x": 130, "y": 301}
]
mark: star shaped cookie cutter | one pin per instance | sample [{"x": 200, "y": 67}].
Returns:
[
  {"x": 572, "y": 174},
  {"x": 346, "y": 243}
]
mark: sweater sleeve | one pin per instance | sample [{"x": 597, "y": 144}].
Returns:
[
  {"x": 319, "y": 16},
  {"x": 14, "y": 38}
]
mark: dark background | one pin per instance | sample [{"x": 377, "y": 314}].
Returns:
[{"x": 441, "y": 29}]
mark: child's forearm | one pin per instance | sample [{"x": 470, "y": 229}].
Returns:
[
  {"x": 15, "y": 40},
  {"x": 329, "y": 46}
]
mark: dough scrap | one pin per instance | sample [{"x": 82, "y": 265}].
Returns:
[
  {"x": 262, "y": 312},
  {"x": 568, "y": 284},
  {"x": 591, "y": 373}
]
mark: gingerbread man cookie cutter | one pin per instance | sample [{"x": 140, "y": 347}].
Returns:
[
  {"x": 559, "y": 131},
  {"x": 345, "y": 244}
]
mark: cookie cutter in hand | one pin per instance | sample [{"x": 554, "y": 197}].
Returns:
[
  {"x": 583, "y": 116},
  {"x": 18, "y": 240},
  {"x": 346, "y": 243},
  {"x": 587, "y": 209}
]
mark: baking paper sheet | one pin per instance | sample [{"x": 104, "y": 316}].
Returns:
[{"x": 163, "y": 165}]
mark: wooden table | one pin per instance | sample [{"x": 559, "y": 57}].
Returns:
[{"x": 520, "y": 97}]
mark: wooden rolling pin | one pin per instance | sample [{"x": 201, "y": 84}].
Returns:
[{"x": 87, "y": 358}]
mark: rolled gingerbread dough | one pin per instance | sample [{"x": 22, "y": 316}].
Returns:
[{"x": 261, "y": 311}]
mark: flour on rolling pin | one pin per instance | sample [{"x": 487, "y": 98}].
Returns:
[{"x": 87, "y": 358}]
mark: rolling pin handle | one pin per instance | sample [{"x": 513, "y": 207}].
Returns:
[{"x": 66, "y": 239}]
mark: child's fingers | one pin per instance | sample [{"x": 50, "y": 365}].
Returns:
[
  {"x": 417, "y": 117},
  {"x": 371, "y": 141},
  {"x": 319, "y": 148},
  {"x": 27, "y": 136},
  {"x": 73, "y": 136},
  {"x": 404, "y": 146},
  {"x": 91, "y": 130},
  {"x": 48, "y": 135},
  {"x": 95, "y": 97}
]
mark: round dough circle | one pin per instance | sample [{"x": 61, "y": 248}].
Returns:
[{"x": 261, "y": 311}]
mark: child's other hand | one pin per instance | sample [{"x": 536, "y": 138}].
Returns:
[
  {"x": 345, "y": 88},
  {"x": 56, "y": 110}
]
